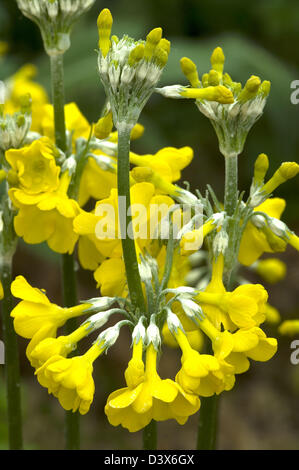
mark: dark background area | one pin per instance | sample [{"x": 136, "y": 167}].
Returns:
[{"x": 258, "y": 38}]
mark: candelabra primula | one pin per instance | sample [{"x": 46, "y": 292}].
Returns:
[{"x": 141, "y": 259}]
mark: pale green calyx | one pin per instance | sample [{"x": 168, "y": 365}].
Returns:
[{"x": 55, "y": 19}]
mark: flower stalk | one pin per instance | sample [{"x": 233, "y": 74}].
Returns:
[
  {"x": 72, "y": 431},
  {"x": 8, "y": 242}
]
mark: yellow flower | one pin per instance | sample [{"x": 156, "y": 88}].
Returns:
[
  {"x": 271, "y": 270},
  {"x": 47, "y": 217},
  {"x": 99, "y": 233},
  {"x": 255, "y": 242},
  {"x": 61, "y": 346},
  {"x": 236, "y": 348},
  {"x": 154, "y": 398},
  {"x": 89, "y": 256},
  {"x": 167, "y": 162},
  {"x": 201, "y": 374},
  {"x": 111, "y": 277},
  {"x": 89, "y": 183},
  {"x": 244, "y": 307},
  {"x": 70, "y": 380},
  {"x": 75, "y": 122},
  {"x": 21, "y": 84},
  {"x": 35, "y": 317},
  {"x": 35, "y": 166}
]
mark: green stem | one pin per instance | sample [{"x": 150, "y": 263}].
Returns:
[
  {"x": 124, "y": 203},
  {"x": 230, "y": 204},
  {"x": 231, "y": 184},
  {"x": 128, "y": 245},
  {"x": 11, "y": 368},
  {"x": 72, "y": 424},
  {"x": 150, "y": 436},
  {"x": 56, "y": 62},
  {"x": 208, "y": 418}
]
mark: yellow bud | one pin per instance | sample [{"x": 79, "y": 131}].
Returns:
[
  {"x": 137, "y": 131},
  {"x": 161, "y": 52},
  {"x": 105, "y": 21},
  {"x": 141, "y": 174},
  {"x": 189, "y": 69},
  {"x": 250, "y": 89},
  {"x": 265, "y": 88},
  {"x": 213, "y": 78},
  {"x": 211, "y": 93},
  {"x": 272, "y": 270},
  {"x": 288, "y": 170},
  {"x": 289, "y": 328},
  {"x": 260, "y": 168},
  {"x": 205, "y": 80},
  {"x": 136, "y": 55},
  {"x": 165, "y": 45},
  {"x": 104, "y": 126},
  {"x": 152, "y": 40},
  {"x": 227, "y": 80},
  {"x": 217, "y": 60}
]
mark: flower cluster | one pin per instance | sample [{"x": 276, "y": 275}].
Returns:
[{"x": 187, "y": 247}]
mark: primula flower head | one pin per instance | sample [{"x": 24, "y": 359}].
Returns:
[
  {"x": 34, "y": 166},
  {"x": 55, "y": 19},
  {"x": 231, "y": 109},
  {"x": 129, "y": 69},
  {"x": 154, "y": 398}
]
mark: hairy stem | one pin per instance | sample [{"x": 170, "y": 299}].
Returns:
[
  {"x": 11, "y": 367},
  {"x": 72, "y": 425}
]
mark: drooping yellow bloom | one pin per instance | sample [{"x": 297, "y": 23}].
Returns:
[
  {"x": 35, "y": 317},
  {"x": 255, "y": 242},
  {"x": 201, "y": 374},
  {"x": 70, "y": 380},
  {"x": 75, "y": 122},
  {"x": 34, "y": 167},
  {"x": 61, "y": 346},
  {"x": 22, "y": 83},
  {"x": 47, "y": 217},
  {"x": 244, "y": 307},
  {"x": 167, "y": 162},
  {"x": 154, "y": 398},
  {"x": 1, "y": 291},
  {"x": 235, "y": 349},
  {"x": 271, "y": 270}
]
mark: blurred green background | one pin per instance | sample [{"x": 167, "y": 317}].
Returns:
[{"x": 259, "y": 37}]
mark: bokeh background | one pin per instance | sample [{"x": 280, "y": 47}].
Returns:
[{"x": 259, "y": 37}]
